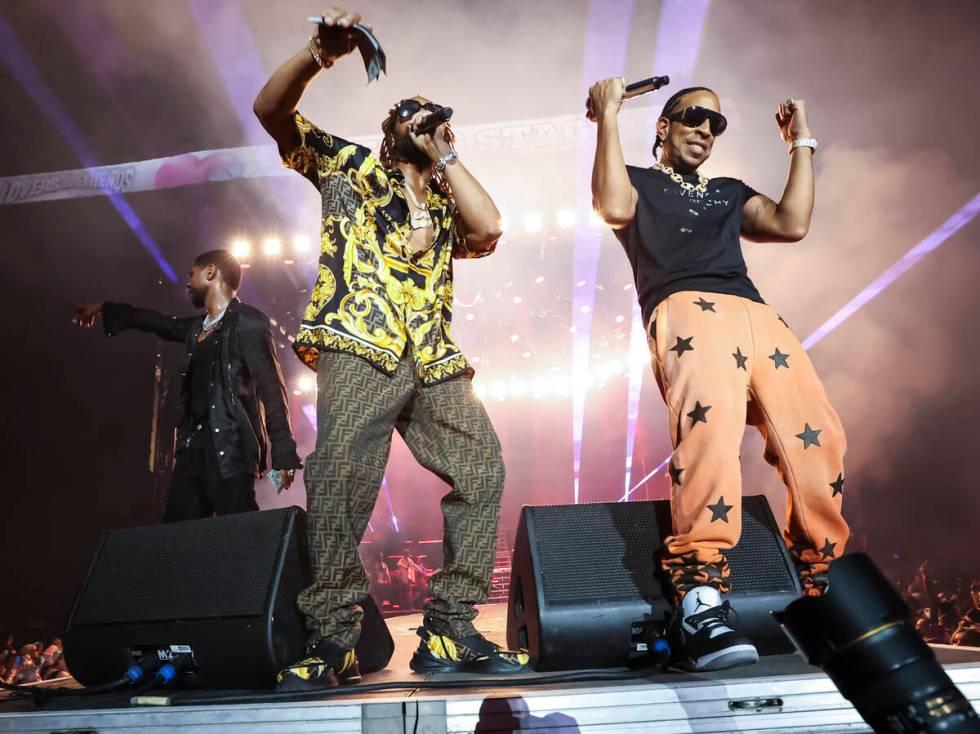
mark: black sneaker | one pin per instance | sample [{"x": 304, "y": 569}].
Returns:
[
  {"x": 325, "y": 665},
  {"x": 701, "y": 637},
  {"x": 471, "y": 654}
]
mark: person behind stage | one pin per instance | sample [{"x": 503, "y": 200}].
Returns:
[
  {"x": 231, "y": 380},
  {"x": 377, "y": 333},
  {"x": 721, "y": 356}
]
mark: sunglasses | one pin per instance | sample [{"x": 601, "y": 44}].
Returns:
[
  {"x": 695, "y": 117},
  {"x": 408, "y": 107}
]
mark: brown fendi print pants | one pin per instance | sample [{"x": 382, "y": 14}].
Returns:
[
  {"x": 722, "y": 362},
  {"x": 448, "y": 431}
]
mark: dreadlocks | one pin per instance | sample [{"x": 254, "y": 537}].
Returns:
[
  {"x": 671, "y": 105},
  {"x": 387, "y": 153}
]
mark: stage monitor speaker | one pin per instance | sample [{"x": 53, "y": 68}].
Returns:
[
  {"x": 584, "y": 574},
  {"x": 222, "y": 589}
]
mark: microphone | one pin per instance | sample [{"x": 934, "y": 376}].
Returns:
[
  {"x": 645, "y": 86},
  {"x": 430, "y": 122}
]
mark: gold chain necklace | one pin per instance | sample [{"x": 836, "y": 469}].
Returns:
[
  {"x": 420, "y": 219},
  {"x": 702, "y": 184}
]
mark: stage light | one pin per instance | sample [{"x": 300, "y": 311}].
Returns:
[
  {"x": 533, "y": 222},
  {"x": 305, "y": 383},
  {"x": 539, "y": 279},
  {"x": 526, "y": 355},
  {"x": 480, "y": 391},
  {"x": 514, "y": 338},
  {"x": 517, "y": 299},
  {"x": 594, "y": 219},
  {"x": 470, "y": 317},
  {"x": 620, "y": 319},
  {"x": 504, "y": 224},
  {"x": 585, "y": 309},
  {"x": 518, "y": 388},
  {"x": 561, "y": 385},
  {"x": 614, "y": 367},
  {"x": 301, "y": 243},
  {"x": 499, "y": 389},
  {"x": 539, "y": 387},
  {"x": 272, "y": 246},
  {"x": 288, "y": 261},
  {"x": 566, "y": 218},
  {"x": 240, "y": 248}
]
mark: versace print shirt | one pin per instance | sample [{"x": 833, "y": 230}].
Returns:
[{"x": 373, "y": 296}]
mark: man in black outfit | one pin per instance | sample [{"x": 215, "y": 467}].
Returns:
[{"x": 231, "y": 382}]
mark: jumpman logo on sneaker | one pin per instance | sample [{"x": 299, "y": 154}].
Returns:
[{"x": 700, "y": 603}]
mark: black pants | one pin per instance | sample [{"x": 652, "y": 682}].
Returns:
[{"x": 197, "y": 488}]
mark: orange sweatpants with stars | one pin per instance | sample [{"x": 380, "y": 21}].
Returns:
[{"x": 723, "y": 362}]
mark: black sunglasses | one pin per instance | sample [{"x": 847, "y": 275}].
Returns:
[
  {"x": 695, "y": 117},
  {"x": 408, "y": 107}
]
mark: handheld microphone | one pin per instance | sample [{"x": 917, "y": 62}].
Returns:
[
  {"x": 645, "y": 86},
  {"x": 430, "y": 122}
]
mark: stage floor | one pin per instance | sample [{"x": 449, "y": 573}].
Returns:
[{"x": 779, "y": 694}]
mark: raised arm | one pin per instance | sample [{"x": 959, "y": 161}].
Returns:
[
  {"x": 279, "y": 98},
  {"x": 764, "y": 220},
  {"x": 613, "y": 196}
]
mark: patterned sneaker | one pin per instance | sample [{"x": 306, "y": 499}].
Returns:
[
  {"x": 701, "y": 637},
  {"x": 325, "y": 665},
  {"x": 471, "y": 654}
]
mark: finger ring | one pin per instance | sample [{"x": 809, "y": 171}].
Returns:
[{"x": 789, "y": 102}]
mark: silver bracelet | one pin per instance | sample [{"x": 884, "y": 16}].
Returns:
[
  {"x": 804, "y": 143},
  {"x": 445, "y": 161}
]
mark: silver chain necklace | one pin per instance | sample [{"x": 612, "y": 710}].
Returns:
[
  {"x": 210, "y": 323},
  {"x": 701, "y": 186}
]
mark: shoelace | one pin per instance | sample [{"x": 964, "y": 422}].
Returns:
[{"x": 711, "y": 618}]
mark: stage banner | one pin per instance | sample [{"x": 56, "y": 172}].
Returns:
[{"x": 563, "y": 132}]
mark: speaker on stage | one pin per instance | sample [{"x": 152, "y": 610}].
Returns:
[
  {"x": 222, "y": 589},
  {"x": 584, "y": 575}
]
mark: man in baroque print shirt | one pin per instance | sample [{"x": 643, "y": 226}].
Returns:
[{"x": 377, "y": 333}]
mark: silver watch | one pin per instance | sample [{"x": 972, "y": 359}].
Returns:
[{"x": 445, "y": 161}]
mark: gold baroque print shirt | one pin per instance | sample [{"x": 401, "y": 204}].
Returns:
[{"x": 373, "y": 296}]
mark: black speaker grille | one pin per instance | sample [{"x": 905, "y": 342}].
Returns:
[
  {"x": 607, "y": 552},
  {"x": 200, "y": 569}
]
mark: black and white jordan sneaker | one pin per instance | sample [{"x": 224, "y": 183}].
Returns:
[{"x": 700, "y": 636}]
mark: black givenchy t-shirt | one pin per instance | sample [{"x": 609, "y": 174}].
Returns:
[{"x": 686, "y": 240}]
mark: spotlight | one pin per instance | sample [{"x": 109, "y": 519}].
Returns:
[
  {"x": 860, "y": 633},
  {"x": 499, "y": 389},
  {"x": 566, "y": 218},
  {"x": 301, "y": 243},
  {"x": 517, "y": 299},
  {"x": 533, "y": 222},
  {"x": 470, "y": 317},
  {"x": 240, "y": 248},
  {"x": 272, "y": 246},
  {"x": 586, "y": 309},
  {"x": 518, "y": 388},
  {"x": 594, "y": 219},
  {"x": 305, "y": 383},
  {"x": 539, "y": 279},
  {"x": 480, "y": 391},
  {"x": 514, "y": 338},
  {"x": 539, "y": 387}
]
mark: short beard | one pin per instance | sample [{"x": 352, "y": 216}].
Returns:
[
  {"x": 409, "y": 152},
  {"x": 198, "y": 297}
]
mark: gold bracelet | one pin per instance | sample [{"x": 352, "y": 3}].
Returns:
[{"x": 316, "y": 54}]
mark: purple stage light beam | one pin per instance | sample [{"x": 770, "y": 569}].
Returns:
[
  {"x": 606, "y": 43},
  {"x": 911, "y": 258},
  {"x": 937, "y": 237},
  {"x": 236, "y": 57},
  {"x": 22, "y": 67},
  {"x": 679, "y": 36}
]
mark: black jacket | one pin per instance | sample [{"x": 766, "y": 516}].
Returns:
[{"x": 247, "y": 392}]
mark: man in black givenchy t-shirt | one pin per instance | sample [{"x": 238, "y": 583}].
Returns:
[
  {"x": 233, "y": 393},
  {"x": 721, "y": 356}
]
